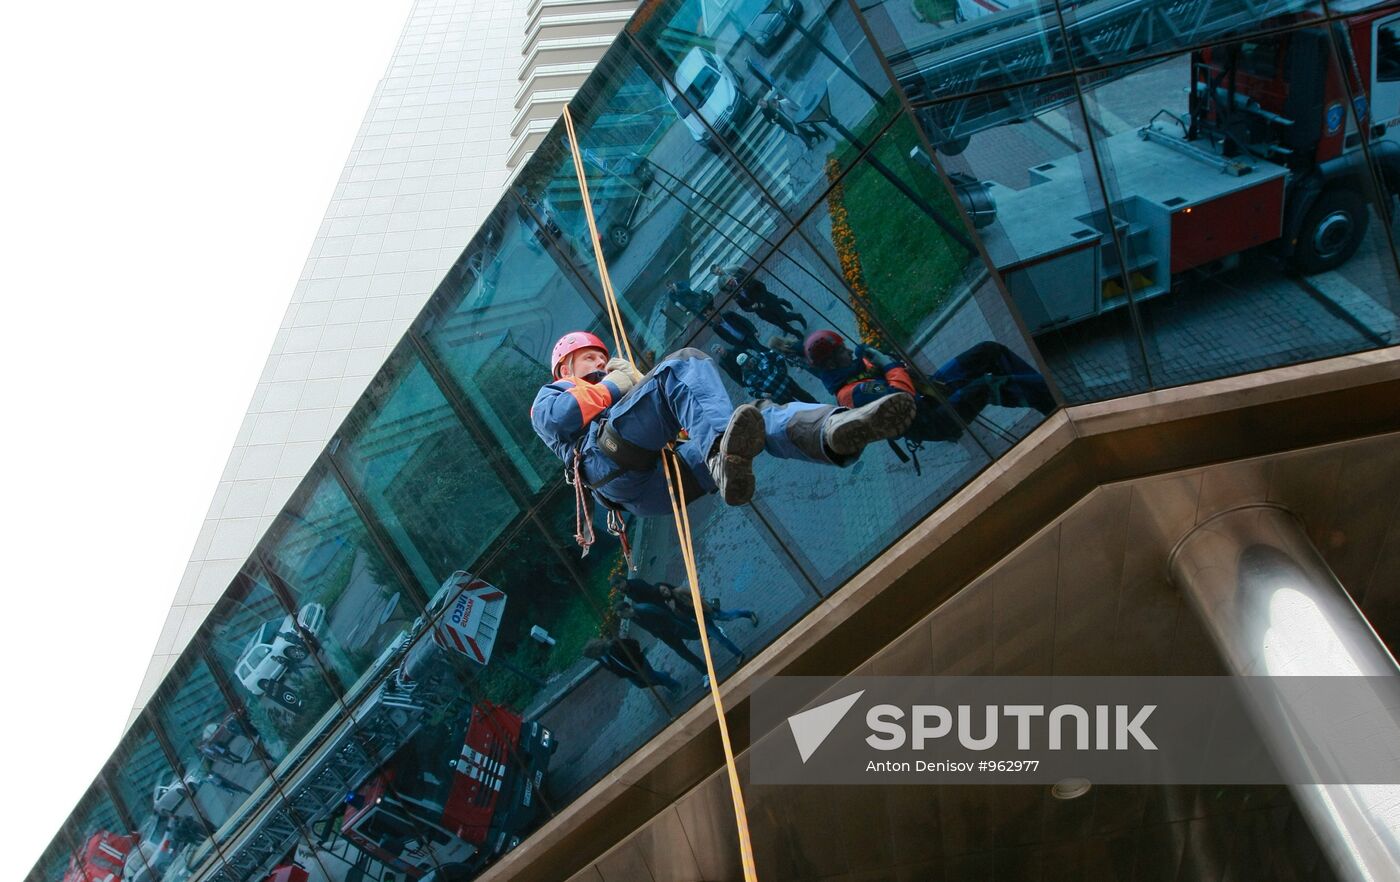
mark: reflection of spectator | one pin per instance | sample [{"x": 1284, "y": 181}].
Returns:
[
  {"x": 734, "y": 329},
  {"x": 766, "y": 376},
  {"x": 623, "y": 657},
  {"x": 689, "y": 301},
  {"x": 753, "y": 296},
  {"x": 679, "y": 600},
  {"x": 673, "y": 630},
  {"x": 728, "y": 361},
  {"x": 782, "y": 112}
]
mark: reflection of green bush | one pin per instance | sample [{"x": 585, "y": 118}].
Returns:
[
  {"x": 910, "y": 266},
  {"x": 934, "y": 10},
  {"x": 542, "y": 592}
]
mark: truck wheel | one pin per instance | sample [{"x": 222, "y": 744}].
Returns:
[{"x": 1331, "y": 232}]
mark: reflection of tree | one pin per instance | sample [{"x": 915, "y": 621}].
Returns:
[
  {"x": 508, "y": 383},
  {"x": 542, "y": 592},
  {"x": 448, "y": 512}
]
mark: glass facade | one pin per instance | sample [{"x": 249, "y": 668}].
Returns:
[{"x": 1026, "y": 205}]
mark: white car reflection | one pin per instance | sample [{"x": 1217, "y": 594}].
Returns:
[{"x": 276, "y": 646}]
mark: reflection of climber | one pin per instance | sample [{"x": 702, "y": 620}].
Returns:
[
  {"x": 782, "y": 112},
  {"x": 752, "y": 295},
  {"x": 612, "y": 443},
  {"x": 987, "y": 373},
  {"x": 766, "y": 376},
  {"x": 623, "y": 657}
]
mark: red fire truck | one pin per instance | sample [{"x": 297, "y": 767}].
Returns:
[
  {"x": 1267, "y": 152},
  {"x": 102, "y": 858},
  {"x": 454, "y": 794}
]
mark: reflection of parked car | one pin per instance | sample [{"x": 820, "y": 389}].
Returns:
[
  {"x": 276, "y": 646},
  {"x": 767, "y": 23},
  {"x": 228, "y": 740},
  {"x": 618, "y": 184},
  {"x": 713, "y": 96},
  {"x": 167, "y": 798}
]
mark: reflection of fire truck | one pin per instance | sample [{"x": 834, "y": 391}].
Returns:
[
  {"x": 102, "y": 858},
  {"x": 413, "y": 748},
  {"x": 1267, "y": 152},
  {"x": 453, "y": 797}
]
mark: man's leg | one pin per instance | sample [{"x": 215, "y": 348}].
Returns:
[
  {"x": 679, "y": 648},
  {"x": 685, "y": 391},
  {"x": 834, "y": 435}
]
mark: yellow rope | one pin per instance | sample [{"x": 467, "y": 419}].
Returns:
[
  {"x": 672, "y": 464},
  {"x": 619, "y": 331}
]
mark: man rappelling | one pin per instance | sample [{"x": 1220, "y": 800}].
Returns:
[{"x": 609, "y": 424}]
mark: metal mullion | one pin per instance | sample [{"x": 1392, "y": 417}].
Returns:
[
  {"x": 465, "y": 412},
  {"x": 379, "y": 536},
  {"x": 999, "y": 283},
  {"x": 1133, "y": 314},
  {"x": 171, "y": 757}
]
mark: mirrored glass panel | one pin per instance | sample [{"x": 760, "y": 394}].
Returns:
[
  {"x": 202, "y": 789},
  {"x": 258, "y": 649},
  {"x": 491, "y": 330},
  {"x": 434, "y": 774},
  {"x": 939, "y": 49},
  {"x": 789, "y": 86},
  {"x": 632, "y": 659},
  {"x": 351, "y": 595},
  {"x": 1032, "y": 190},
  {"x": 829, "y": 520},
  {"x": 422, "y": 476},
  {"x": 1256, "y": 228},
  {"x": 55, "y": 863},
  {"x": 140, "y": 776},
  {"x": 665, "y": 208},
  {"x": 104, "y": 844}
]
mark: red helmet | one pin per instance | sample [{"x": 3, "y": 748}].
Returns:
[
  {"x": 572, "y": 342},
  {"x": 821, "y": 346}
]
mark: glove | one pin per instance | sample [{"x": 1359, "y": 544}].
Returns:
[
  {"x": 878, "y": 360},
  {"x": 622, "y": 375}
]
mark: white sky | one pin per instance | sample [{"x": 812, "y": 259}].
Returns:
[{"x": 163, "y": 169}]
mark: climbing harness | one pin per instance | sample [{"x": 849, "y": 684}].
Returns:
[{"x": 676, "y": 486}]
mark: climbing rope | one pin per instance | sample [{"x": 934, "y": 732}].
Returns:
[{"x": 672, "y": 464}]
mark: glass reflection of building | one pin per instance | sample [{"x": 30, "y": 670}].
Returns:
[{"x": 1092, "y": 199}]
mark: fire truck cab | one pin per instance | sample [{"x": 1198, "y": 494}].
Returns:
[
  {"x": 102, "y": 858},
  {"x": 454, "y": 794}
]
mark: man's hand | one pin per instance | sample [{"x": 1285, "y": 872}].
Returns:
[
  {"x": 878, "y": 360},
  {"x": 622, "y": 375}
]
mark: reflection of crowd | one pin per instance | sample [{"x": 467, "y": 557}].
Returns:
[{"x": 668, "y": 614}]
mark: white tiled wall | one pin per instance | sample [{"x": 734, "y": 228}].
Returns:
[{"x": 427, "y": 165}]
